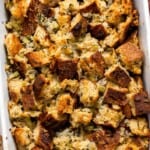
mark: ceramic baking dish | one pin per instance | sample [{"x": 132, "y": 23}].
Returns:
[{"x": 144, "y": 34}]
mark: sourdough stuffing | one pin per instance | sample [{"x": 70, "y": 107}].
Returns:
[{"x": 74, "y": 75}]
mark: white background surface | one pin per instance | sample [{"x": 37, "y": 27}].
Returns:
[{"x": 142, "y": 6}]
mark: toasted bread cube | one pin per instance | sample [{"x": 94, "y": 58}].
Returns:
[
  {"x": 28, "y": 99},
  {"x": 65, "y": 104},
  {"x": 121, "y": 18},
  {"x": 15, "y": 110},
  {"x": 23, "y": 136},
  {"x": 63, "y": 20},
  {"x": 29, "y": 25},
  {"x": 42, "y": 137},
  {"x": 70, "y": 85},
  {"x": 137, "y": 97},
  {"x": 112, "y": 39},
  {"x": 53, "y": 120},
  {"x": 78, "y": 25},
  {"x": 98, "y": 31},
  {"x": 142, "y": 103},
  {"x": 29, "y": 22},
  {"x": 20, "y": 64},
  {"x": 124, "y": 28},
  {"x": 38, "y": 84},
  {"x": 127, "y": 111},
  {"x": 66, "y": 69},
  {"x": 116, "y": 16},
  {"x": 13, "y": 44},
  {"x": 131, "y": 56},
  {"x": 88, "y": 92},
  {"x": 104, "y": 141},
  {"x": 134, "y": 144},
  {"x": 50, "y": 89},
  {"x": 20, "y": 8},
  {"x": 108, "y": 117},
  {"x": 138, "y": 126},
  {"x": 53, "y": 113},
  {"x": 41, "y": 36},
  {"x": 115, "y": 95},
  {"x": 91, "y": 6},
  {"x": 84, "y": 144},
  {"x": 14, "y": 87},
  {"x": 136, "y": 85},
  {"x": 93, "y": 67},
  {"x": 119, "y": 75},
  {"x": 38, "y": 58},
  {"x": 81, "y": 116}
]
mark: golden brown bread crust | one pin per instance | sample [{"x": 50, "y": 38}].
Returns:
[
  {"x": 65, "y": 104},
  {"x": 19, "y": 8},
  {"x": 30, "y": 21},
  {"x": 88, "y": 92},
  {"x": 133, "y": 143},
  {"x": 127, "y": 111},
  {"x": 21, "y": 67},
  {"x": 108, "y": 117},
  {"x": 130, "y": 53},
  {"x": 142, "y": 103},
  {"x": 38, "y": 58},
  {"x": 66, "y": 69},
  {"x": 116, "y": 16},
  {"x": 98, "y": 60},
  {"x": 97, "y": 63},
  {"x": 29, "y": 24},
  {"x": 93, "y": 67},
  {"x": 79, "y": 28},
  {"x": 51, "y": 123},
  {"x": 44, "y": 138},
  {"x": 119, "y": 76},
  {"x": 131, "y": 56},
  {"x": 104, "y": 141},
  {"x": 70, "y": 86},
  {"x": 138, "y": 126},
  {"x": 98, "y": 31},
  {"x": 42, "y": 37},
  {"x": 91, "y": 7},
  {"x": 114, "y": 96},
  {"x": 81, "y": 117},
  {"x": 121, "y": 20},
  {"x": 14, "y": 87},
  {"x": 38, "y": 84},
  {"x": 23, "y": 137},
  {"x": 28, "y": 99},
  {"x": 13, "y": 44}
]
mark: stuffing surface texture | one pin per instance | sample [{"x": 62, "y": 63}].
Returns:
[{"x": 75, "y": 75}]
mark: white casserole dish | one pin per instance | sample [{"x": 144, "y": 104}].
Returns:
[{"x": 144, "y": 33}]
